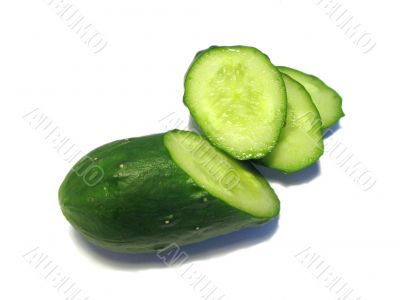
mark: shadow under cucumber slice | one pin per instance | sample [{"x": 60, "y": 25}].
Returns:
[
  {"x": 300, "y": 143},
  {"x": 238, "y": 99},
  {"x": 326, "y": 99}
]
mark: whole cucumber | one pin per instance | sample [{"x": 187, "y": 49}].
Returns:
[{"x": 160, "y": 189}]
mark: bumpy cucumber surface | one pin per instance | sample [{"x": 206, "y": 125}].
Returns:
[
  {"x": 238, "y": 99},
  {"x": 326, "y": 99},
  {"x": 166, "y": 188},
  {"x": 300, "y": 143}
]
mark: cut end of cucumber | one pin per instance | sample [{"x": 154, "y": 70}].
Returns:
[
  {"x": 238, "y": 99},
  {"x": 225, "y": 178}
]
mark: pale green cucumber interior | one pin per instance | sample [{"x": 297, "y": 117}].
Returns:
[
  {"x": 237, "y": 97},
  {"x": 326, "y": 99},
  {"x": 300, "y": 143},
  {"x": 223, "y": 177}
]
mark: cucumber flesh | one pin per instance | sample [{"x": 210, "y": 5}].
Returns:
[
  {"x": 300, "y": 143},
  {"x": 238, "y": 99},
  {"x": 326, "y": 99},
  {"x": 224, "y": 177}
]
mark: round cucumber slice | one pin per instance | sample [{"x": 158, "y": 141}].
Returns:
[
  {"x": 300, "y": 143},
  {"x": 326, "y": 99},
  {"x": 238, "y": 99}
]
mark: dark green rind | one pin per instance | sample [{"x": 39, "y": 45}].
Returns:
[
  {"x": 234, "y": 154},
  {"x": 128, "y": 209},
  {"x": 317, "y": 82}
]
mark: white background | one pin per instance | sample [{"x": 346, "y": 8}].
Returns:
[{"x": 136, "y": 80}]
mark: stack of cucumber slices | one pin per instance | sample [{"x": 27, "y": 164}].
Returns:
[
  {"x": 179, "y": 187},
  {"x": 251, "y": 109}
]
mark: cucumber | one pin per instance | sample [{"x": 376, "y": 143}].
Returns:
[
  {"x": 300, "y": 143},
  {"x": 173, "y": 187},
  {"x": 326, "y": 99},
  {"x": 238, "y": 99}
]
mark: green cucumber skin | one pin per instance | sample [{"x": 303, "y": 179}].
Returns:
[
  {"x": 238, "y": 156},
  {"x": 127, "y": 210}
]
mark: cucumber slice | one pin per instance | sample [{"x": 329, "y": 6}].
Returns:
[
  {"x": 166, "y": 188},
  {"x": 326, "y": 99},
  {"x": 300, "y": 143},
  {"x": 238, "y": 99}
]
